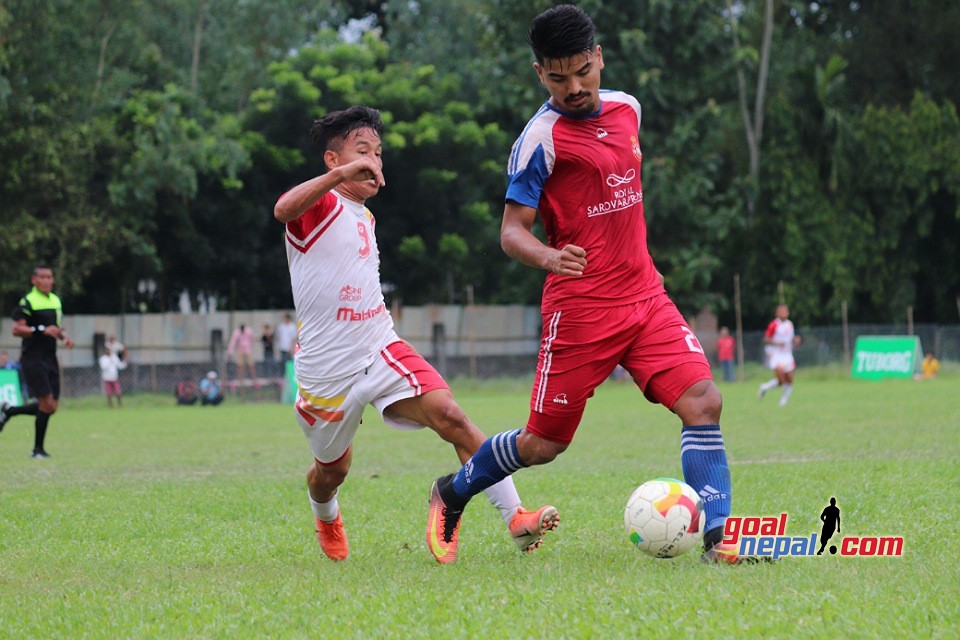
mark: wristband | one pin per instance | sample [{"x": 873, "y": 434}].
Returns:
[{"x": 39, "y": 328}]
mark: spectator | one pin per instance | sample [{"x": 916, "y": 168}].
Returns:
[
  {"x": 186, "y": 392},
  {"x": 266, "y": 341},
  {"x": 726, "y": 346},
  {"x": 110, "y": 367},
  {"x": 117, "y": 348},
  {"x": 241, "y": 348},
  {"x": 210, "y": 389},
  {"x": 286, "y": 341},
  {"x": 930, "y": 367},
  {"x": 7, "y": 363}
]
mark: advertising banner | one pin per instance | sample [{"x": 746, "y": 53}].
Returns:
[
  {"x": 289, "y": 393},
  {"x": 10, "y": 387},
  {"x": 879, "y": 357}
]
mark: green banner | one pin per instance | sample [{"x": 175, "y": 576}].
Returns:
[
  {"x": 289, "y": 393},
  {"x": 878, "y": 357},
  {"x": 10, "y": 387}
]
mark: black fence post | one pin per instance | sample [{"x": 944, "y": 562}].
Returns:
[
  {"x": 439, "y": 340},
  {"x": 99, "y": 340},
  {"x": 217, "y": 351}
]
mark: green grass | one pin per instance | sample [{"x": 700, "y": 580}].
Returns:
[{"x": 187, "y": 522}]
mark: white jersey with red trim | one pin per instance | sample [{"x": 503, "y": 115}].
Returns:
[
  {"x": 781, "y": 334},
  {"x": 342, "y": 321}
]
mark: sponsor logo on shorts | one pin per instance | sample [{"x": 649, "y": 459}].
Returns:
[{"x": 560, "y": 398}]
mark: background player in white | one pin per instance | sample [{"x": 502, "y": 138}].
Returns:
[
  {"x": 286, "y": 335},
  {"x": 780, "y": 338},
  {"x": 350, "y": 355}
]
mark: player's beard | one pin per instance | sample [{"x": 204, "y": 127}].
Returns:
[{"x": 577, "y": 106}]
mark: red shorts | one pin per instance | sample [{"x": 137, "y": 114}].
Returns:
[
  {"x": 111, "y": 388},
  {"x": 580, "y": 348}
]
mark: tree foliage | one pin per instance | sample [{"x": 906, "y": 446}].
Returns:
[
  {"x": 434, "y": 214},
  {"x": 143, "y": 146}
]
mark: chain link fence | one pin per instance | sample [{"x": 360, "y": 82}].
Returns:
[
  {"x": 156, "y": 378},
  {"x": 159, "y": 369},
  {"x": 823, "y": 346}
]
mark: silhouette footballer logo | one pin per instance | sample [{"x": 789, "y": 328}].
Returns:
[{"x": 831, "y": 522}]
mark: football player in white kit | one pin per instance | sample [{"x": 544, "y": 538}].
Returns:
[
  {"x": 780, "y": 338},
  {"x": 349, "y": 354}
]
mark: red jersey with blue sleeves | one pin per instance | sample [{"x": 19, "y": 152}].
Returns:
[{"x": 582, "y": 174}]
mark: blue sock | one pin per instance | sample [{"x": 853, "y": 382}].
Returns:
[
  {"x": 704, "y": 461},
  {"x": 496, "y": 459}
]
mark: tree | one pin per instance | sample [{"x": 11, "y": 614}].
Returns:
[
  {"x": 908, "y": 195},
  {"x": 894, "y": 48},
  {"x": 154, "y": 151},
  {"x": 50, "y": 155},
  {"x": 440, "y": 163},
  {"x": 752, "y": 117},
  {"x": 178, "y": 177}
]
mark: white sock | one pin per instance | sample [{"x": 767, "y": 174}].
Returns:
[
  {"x": 505, "y": 498},
  {"x": 769, "y": 384},
  {"x": 785, "y": 393},
  {"x": 326, "y": 511}
]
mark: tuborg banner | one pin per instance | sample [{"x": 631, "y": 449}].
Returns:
[
  {"x": 878, "y": 357},
  {"x": 10, "y": 387}
]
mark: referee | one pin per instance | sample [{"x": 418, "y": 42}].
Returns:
[{"x": 37, "y": 319}]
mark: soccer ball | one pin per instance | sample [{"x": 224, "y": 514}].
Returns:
[{"x": 664, "y": 518}]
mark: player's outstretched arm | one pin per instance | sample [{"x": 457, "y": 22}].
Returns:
[
  {"x": 293, "y": 203},
  {"x": 519, "y": 243}
]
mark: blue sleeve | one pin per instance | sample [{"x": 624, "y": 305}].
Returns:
[{"x": 526, "y": 185}]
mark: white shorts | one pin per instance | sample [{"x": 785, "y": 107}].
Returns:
[
  {"x": 782, "y": 361},
  {"x": 330, "y": 412}
]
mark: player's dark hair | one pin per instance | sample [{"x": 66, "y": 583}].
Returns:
[
  {"x": 561, "y": 32},
  {"x": 330, "y": 130}
]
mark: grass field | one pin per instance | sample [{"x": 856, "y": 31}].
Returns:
[{"x": 187, "y": 522}]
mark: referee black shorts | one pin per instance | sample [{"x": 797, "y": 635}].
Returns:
[{"x": 42, "y": 373}]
